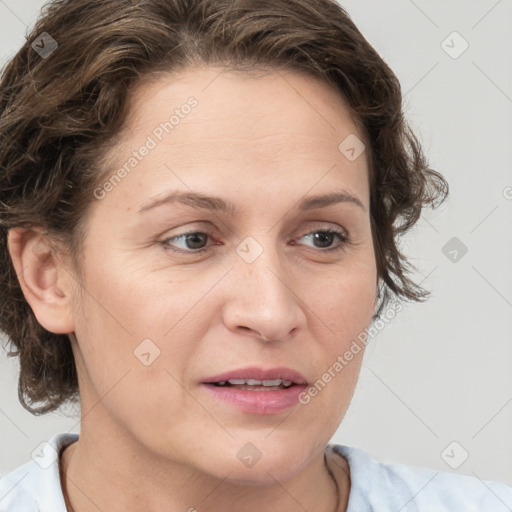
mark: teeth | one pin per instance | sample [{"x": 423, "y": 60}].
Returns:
[
  {"x": 276, "y": 382},
  {"x": 236, "y": 382},
  {"x": 254, "y": 382}
]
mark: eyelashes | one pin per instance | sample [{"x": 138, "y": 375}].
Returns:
[
  {"x": 338, "y": 234},
  {"x": 195, "y": 237}
]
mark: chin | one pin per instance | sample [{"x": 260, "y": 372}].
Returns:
[{"x": 257, "y": 462}]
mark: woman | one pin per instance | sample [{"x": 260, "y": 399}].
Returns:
[{"x": 200, "y": 206}]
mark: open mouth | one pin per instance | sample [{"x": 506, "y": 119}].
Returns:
[
  {"x": 256, "y": 390},
  {"x": 255, "y": 385}
]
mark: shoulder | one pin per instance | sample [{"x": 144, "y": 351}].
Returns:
[
  {"x": 35, "y": 486},
  {"x": 390, "y": 486}
]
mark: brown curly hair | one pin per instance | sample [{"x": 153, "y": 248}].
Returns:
[{"x": 60, "y": 114}]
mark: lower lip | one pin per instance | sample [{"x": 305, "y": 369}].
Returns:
[{"x": 258, "y": 402}]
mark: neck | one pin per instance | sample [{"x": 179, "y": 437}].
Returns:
[{"x": 106, "y": 470}]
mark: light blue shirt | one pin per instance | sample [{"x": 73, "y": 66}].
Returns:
[{"x": 375, "y": 486}]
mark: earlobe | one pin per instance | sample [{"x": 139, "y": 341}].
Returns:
[{"x": 45, "y": 283}]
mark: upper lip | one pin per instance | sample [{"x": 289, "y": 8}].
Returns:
[{"x": 256, "y": 373}]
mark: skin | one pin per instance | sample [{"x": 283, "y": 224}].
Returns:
[{"x": 151, "y": 438}]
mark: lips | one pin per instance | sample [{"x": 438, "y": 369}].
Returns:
[
  {"x": 255, "y": 376},
  {"x": 255, "y": 390}
]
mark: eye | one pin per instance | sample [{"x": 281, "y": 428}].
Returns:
[
  {"x": 325, "y": 238},
  {"x": 194, "y": 242}
]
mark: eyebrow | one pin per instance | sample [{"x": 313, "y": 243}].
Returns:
[{"x": 217, "y": 204}]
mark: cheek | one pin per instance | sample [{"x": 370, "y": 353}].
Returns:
[
  {"x": 131, "y": 320},
  {"x": 345, "y": 300},
  {"x": 341, "y": 309},
  {"x": 133, "y": 359},
  {"x": 347, "y": 312}
]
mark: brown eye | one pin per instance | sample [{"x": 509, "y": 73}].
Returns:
[
  {"x": 193, "y": 241},
  {"x": 323, "y": 239}
]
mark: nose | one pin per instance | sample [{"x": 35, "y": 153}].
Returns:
[{"x": 262, "y": 302}]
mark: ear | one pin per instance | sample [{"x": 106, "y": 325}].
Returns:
[{"x": 45, "y": 281}]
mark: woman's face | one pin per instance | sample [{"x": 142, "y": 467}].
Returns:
[{"x": 259, "y": 284}]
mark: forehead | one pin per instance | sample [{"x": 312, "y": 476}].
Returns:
[
  {"x": 256, "y": 126},
  {"x": 244, "y": 101}
]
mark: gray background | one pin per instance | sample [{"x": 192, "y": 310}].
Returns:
[{"x": 441, "y": 371}]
